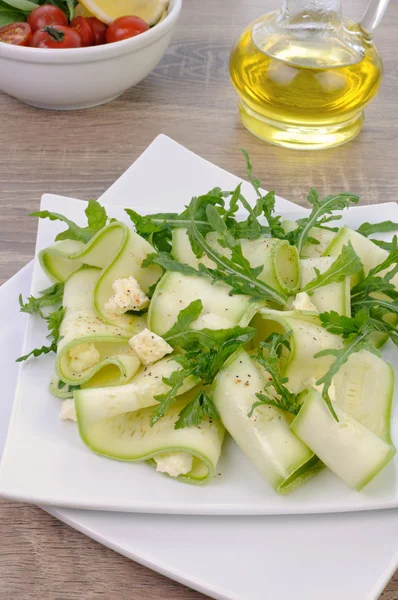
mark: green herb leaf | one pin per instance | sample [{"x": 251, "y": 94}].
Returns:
[
  {"x": 321, "y": 213},
  {"x": 356, "y": 332},
  {"x": 96, "y": 218},
  {"x": 204, "y": 354},
  {"x": 185, "y": 318},
  {"x": 346, "y": 264},
  {"x": 158, "y": 228},
  {"x": 363, "y": 293},
  {"x": 49, "y": 297},
  {"x": 175, "y": 381},
  {"x": 235, "y": 271},
  {"x": 54, "y": 321},
  {"x": 164, "y": 260},
  {"x": 342, "y": 325},
  {"x": 38, "y": 352},
  {"x": 341, "y": 356},
  {"x": 385, "y": 245},
  {"x": 277, "y": 394},
  {"x": 368, "y": 229},
  {"x": 195, "y": 411},
  {"x": 265, "y": 204}
]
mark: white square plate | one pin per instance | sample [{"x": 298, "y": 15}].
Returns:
[
  {"x": 347, "y": 566},
  {"x": 45, "y": 461}
]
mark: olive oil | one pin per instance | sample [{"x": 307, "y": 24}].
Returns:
[{"x": 304, "y": 91}]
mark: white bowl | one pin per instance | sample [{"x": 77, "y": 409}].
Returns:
[{"x": 74, "y": 78}]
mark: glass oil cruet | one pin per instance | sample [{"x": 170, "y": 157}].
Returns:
[{"x": 305, "y": 73}]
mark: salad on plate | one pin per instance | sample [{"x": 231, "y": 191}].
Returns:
[{"x": 184, "y": 326}]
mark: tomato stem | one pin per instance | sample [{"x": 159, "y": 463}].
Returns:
[{"x": 56, "y": 34}]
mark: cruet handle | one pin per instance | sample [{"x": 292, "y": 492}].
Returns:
[{"x": 373, "y": 15}]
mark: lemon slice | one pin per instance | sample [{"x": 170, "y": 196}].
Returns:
[{"x": 109, "y": 10}]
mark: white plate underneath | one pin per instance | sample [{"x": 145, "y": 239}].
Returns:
[{"x": 350, "y": 556}]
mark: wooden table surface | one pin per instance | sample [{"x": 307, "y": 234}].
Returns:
[{"x": 79, "y": 154}]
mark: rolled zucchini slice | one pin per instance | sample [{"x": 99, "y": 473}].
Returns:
[
  {"x": 115, "y": 422},
  {"x": 334, "y": 296},
  {"x": 59, "y": 388},
  {"x": 117, "y": 251},
  {"x": 90, "y": 350},
  {"x": 280, "y": 261},
  {"x": 265, "y": 437},
  {"x": 348, "y": 448},
  {"x": 306, "y": 339},
  {"x": 221, "y": 310},
  {"x": 364, "y": 389}
]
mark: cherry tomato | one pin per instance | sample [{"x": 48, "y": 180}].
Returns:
[
  {"x": 125, "y": 27},
  {"x": 56, "y": 37},
  {"x": 46, "y": 15},
  {"x": 83, "y": 28},
  {"x": 18, "y": 34},
  {"x": 99, "y": 30}
]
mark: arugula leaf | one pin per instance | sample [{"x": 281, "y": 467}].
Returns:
[
  {"x": 196, "y": 410},
  {"x": 321, "y": 214},
  {"x": 204, "y": 354},
  {"x": 38, "y": 352},
  {"x": 54, "y": 321},
  {"x": 50, "y": 296},
  {"x": 96, "y": 218},
  {"x": 185, "y": 318},
  {"x": 346, "y": 264},
  {"x": 175, "y": 381},
  {"x": 367, "y": 229},
  {"x": 356, "y": 332},
  {"x": 235, "y": 271},
  {"x": 158, "y": 228},
  {"x": 247, "y": 229},
  {"x": 164, "y": 260},
  {"x": 277, "y": 394},
  {"x": 385, "y": 245},
  {"x": 375, "y": 283},
  {"x": 265, "y": 204}
]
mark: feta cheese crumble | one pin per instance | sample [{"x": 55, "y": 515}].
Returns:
[
  {"x": 174, "y": 463},
  {"x": 68, "y": 410},
  {"x": 83, "y": 356},
  {"x": 127, "y": 296},
  {"x": 149, "y": 347},
  {"x": 303, "y": 302}
]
